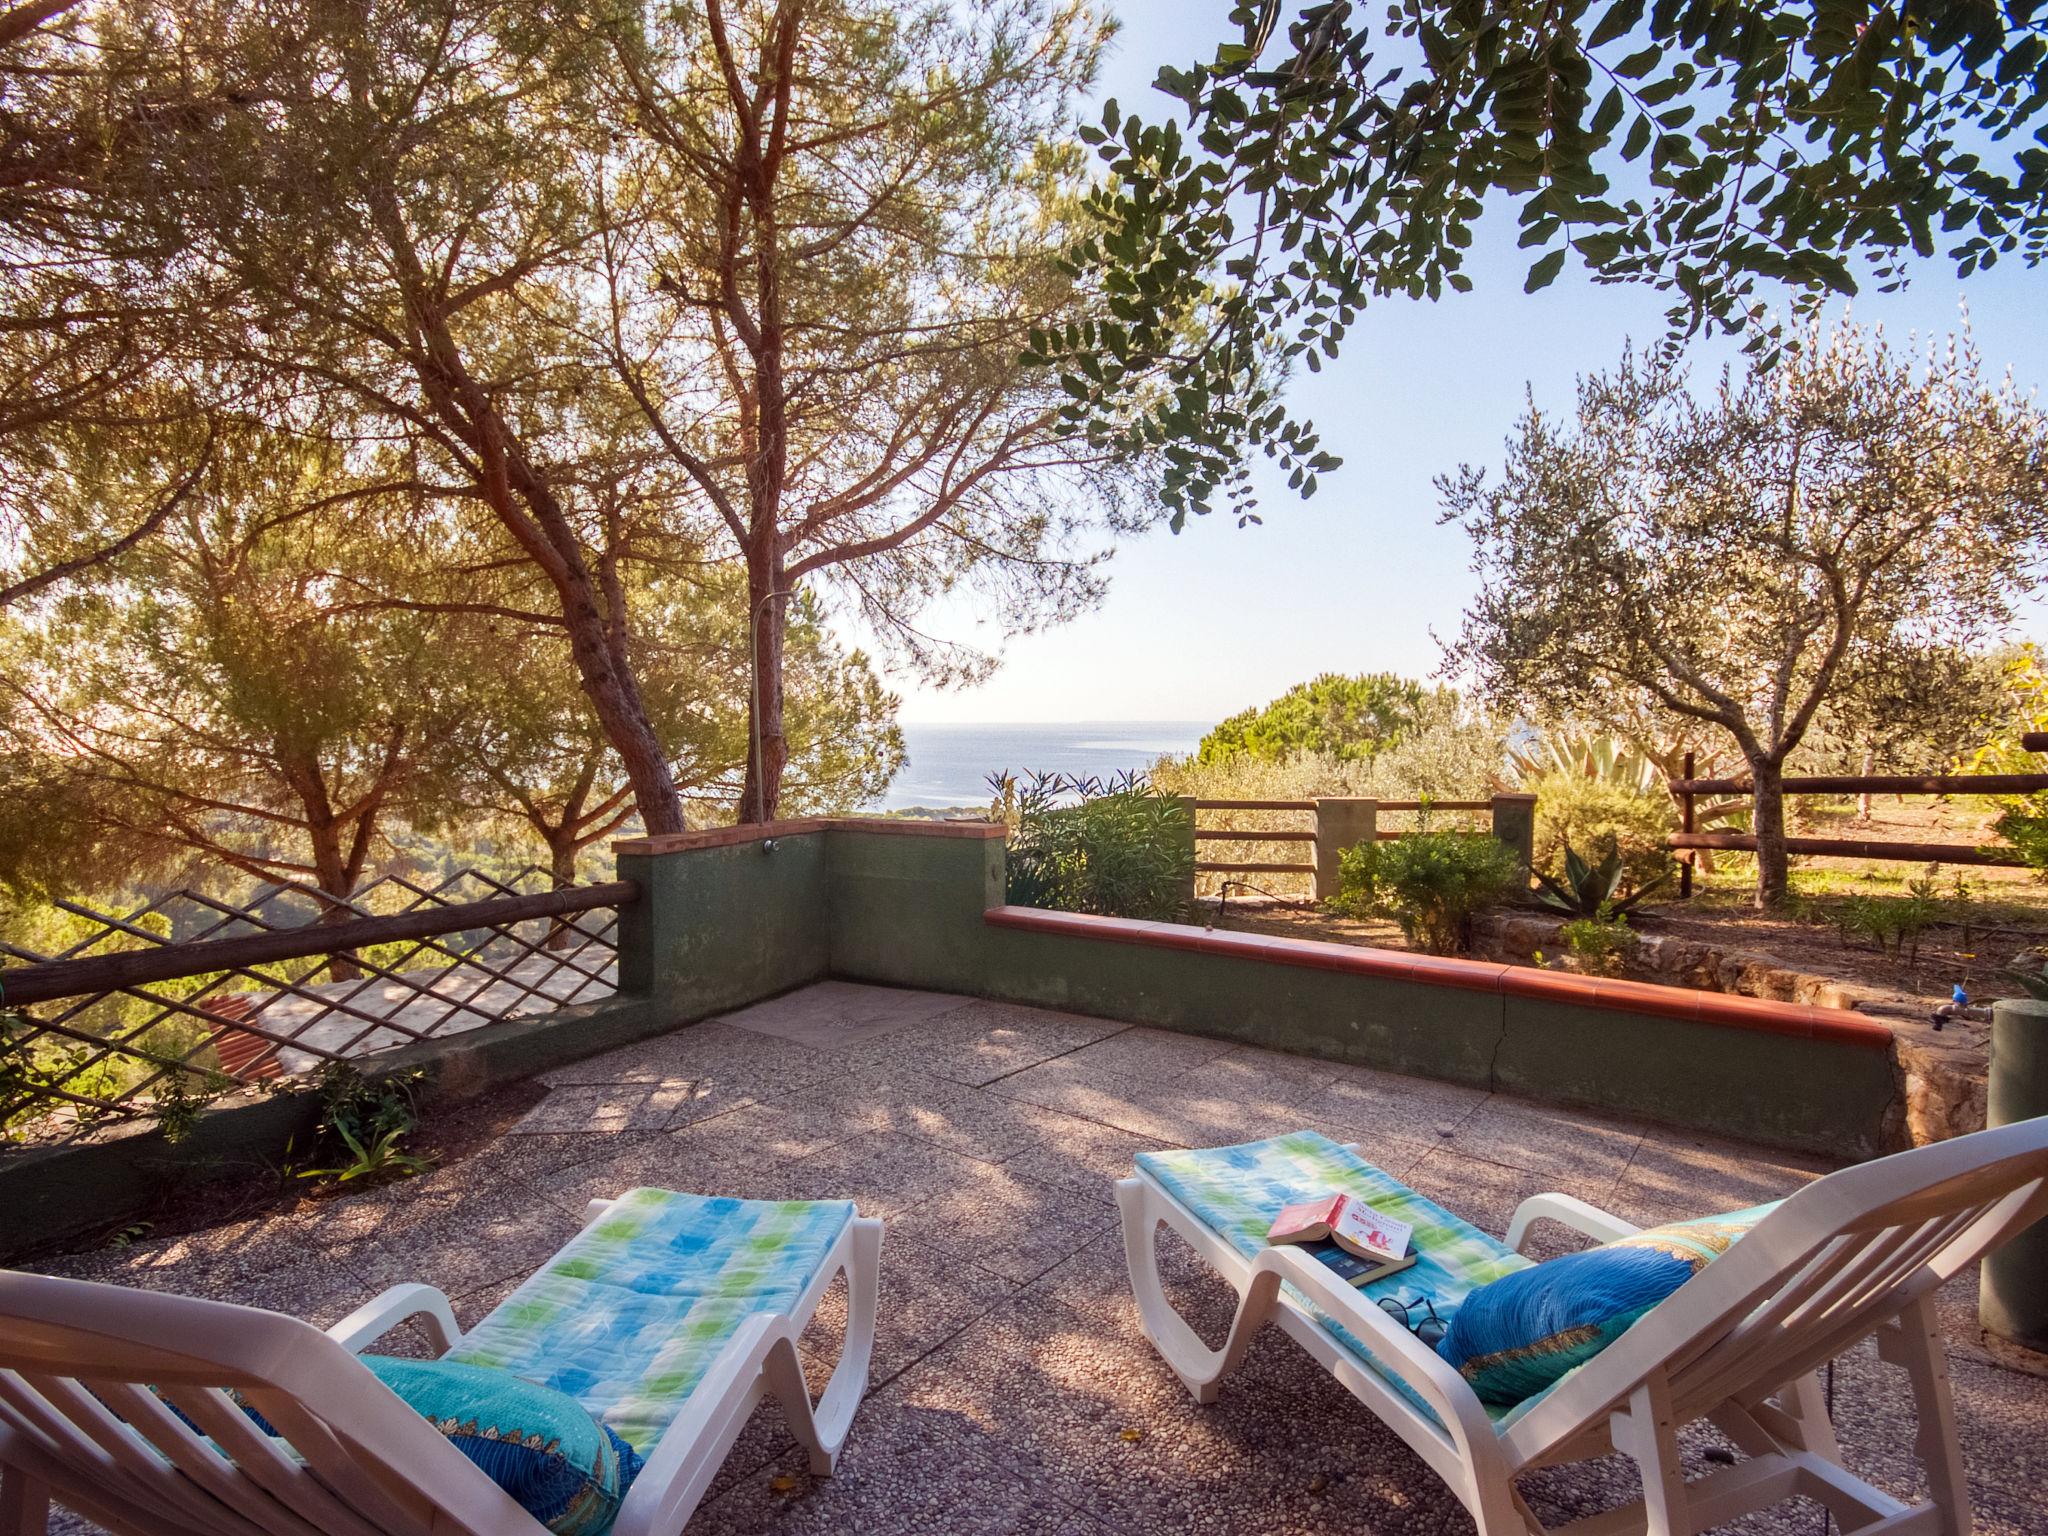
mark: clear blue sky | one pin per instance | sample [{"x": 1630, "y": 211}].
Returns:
[{"x": 1361, "y": 577}]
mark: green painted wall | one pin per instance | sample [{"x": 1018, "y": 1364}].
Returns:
[
  {"x": 1396, "y": 1026},
  {"x": 906, "y": 908},
  {"x": 52, "y": 1194},
  {"x": 1815, "y": 1095},
  {"x": 716, "y": 928},
  {"x": 907, "y": 911}
]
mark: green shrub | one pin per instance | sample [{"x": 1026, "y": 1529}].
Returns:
[
  {"x": 1598, "y": 818},
  {"x": 363, "y": 1126},
  {"x": 1120, "y": 850},
  {"x": 1601, "y": 944},
  {"x": 1894, "y": 923},
  {"x": 2024, "y": 826},
  {"x": 1346, "y": 717},
  {"x": 1431, "y": 883}
]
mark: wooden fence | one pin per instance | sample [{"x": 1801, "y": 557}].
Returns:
[
  {"x": 1338, "y": 823},
  {"x": 113, "y": 1024},
  {"x": 1688, "y": 839}
]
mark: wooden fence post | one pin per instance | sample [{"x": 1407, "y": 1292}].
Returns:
[
  {"x": 1341, "y": 822},
  {"x": 1685, "y": 825}
]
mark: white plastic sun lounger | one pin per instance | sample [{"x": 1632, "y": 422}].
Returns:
[
  {"x": 1856, "y": 1253},
  {"x": 90, "y": 1374}
]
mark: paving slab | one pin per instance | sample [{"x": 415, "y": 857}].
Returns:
[
  {"x": 834, "y": 1014},
  {"x": 1013, "y": 1390}
]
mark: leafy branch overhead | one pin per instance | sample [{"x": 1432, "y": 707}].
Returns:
[{"x": 1703, "y": 147}]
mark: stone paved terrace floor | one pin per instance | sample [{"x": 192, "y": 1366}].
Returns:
[{"x": 1012, "y": 1390}]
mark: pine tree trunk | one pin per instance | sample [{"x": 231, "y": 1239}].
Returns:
[
  {"x": 561, "y": 875},
  {"x": 767, "y": 748},
  {"x": 331, "y": 876},
  {"x": 1767, "y": 816}
]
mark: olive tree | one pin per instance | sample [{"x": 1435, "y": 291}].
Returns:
[
  {"x": 1722, "y": 152},
  {"x": 1812, "y": 536}
]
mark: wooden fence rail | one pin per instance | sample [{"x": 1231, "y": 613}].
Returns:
[
  {"x": 1880, "y": 784},
  {"x": 1341, "y": 822},
  {"x": 1687, "y": 839},
  {"x": 171, "y": 962},
  {"x": 1853, "y": 848}
]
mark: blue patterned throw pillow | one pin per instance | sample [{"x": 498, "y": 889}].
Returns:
[
  {"x": 564, "y": 1468},
  {"x": 1517, "y": 1335}
]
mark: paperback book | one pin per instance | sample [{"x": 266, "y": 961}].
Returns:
[{"x": 1361, "y": 1244}]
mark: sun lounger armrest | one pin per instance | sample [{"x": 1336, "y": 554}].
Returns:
[
  {"x": 1569, "y": 1211},
  {"x": 375, "y": 1318},
  {"x": 1398, "y": 1351}
]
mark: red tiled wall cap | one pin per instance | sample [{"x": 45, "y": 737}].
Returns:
[{"x": 1795, "y": 1019}]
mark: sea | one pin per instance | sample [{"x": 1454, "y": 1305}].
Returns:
[{"x": 949, "y": 765}]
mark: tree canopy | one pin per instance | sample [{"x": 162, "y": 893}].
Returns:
[
  {"x": 1332, "y": 715},
  {"x": 619, "y": 291},
  {"x": 832, "y": 226},
  {"x": 1712, "y": 149},
  {"x": 1835, "y": 533},
  {"x": 205, "y": 698}
]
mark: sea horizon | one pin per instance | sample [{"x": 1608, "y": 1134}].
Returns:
[{"x": 948, "y": 763}]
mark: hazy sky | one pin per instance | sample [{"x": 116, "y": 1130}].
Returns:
[{"x": 1361, "y": 577}]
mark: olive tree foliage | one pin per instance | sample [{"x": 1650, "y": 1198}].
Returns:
[
  {"x": 1716, "y": 150},
  {"x": 831, "y": 229},
  {"x": 1833, "y": 533}
]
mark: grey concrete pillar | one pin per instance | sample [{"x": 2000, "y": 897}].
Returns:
[
  {"x": 1514, "y": 823},
  {"x": 1194, "y": 851},
  {"x": 2012, "y": 1298},
  {"x": 1341, "y": 822}
]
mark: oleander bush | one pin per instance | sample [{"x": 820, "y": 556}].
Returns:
[{"x": 1116, "y": 849}]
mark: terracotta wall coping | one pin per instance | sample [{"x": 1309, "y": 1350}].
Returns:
[
  {"x": 726, "y": 837},
  {"x": 1795, "y": 1019}
]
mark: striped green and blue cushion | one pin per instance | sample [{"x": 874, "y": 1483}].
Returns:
[
  {"x": 1238, "y": 1191},
  {"x": 628, "y": 1317}
]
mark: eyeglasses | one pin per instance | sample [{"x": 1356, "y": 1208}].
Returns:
[{"x": 1429, "y": 1328}]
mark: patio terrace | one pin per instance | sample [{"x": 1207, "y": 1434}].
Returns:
[{"x": 1012, "y": 1390}]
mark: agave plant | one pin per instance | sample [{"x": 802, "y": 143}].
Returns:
[
  {"x": 1590, "y": 890},
  {"x": 2034, "y": 983},
  {"x": 1586, "y": 754}
]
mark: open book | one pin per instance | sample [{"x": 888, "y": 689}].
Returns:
[{"x": 1358, "y": 1242}]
